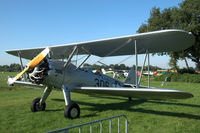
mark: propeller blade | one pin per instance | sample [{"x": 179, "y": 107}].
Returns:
[{"x": 33, "y": 63}]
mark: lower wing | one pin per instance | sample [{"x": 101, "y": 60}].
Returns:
[
  {"x": 149, "y": 93},
  {"x": 27, "y": 83}
]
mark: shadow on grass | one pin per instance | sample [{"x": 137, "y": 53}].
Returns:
[
  {"x": 103, "y": 107},
  {"x": 127, "y": 105},
  {"x": 53, "y": 110},
  {"x": 58, "y": 100},
  {"x": 170, "y": 103},
  {"x": 89, "y": 115},
  {"x": 166, "y": 113},
  {"x": 157, "y": 101}
]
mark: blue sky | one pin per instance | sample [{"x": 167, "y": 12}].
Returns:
[{"x": 36, "y": 23}]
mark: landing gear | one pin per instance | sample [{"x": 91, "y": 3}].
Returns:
[
  {"x": 72, "y": 111},
  {"x": 39, "y": 104},
  {"x": 36, "y": 106}
]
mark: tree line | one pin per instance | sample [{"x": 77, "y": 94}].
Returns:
[
  {"x": 10, "y": 68},
  {"x": 17, "y": 67},
  {"x": 121, "y": 67},
  {"x": 185, "y": 17}
]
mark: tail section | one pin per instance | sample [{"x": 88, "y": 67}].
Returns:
[{"x": 131, "y": 79}]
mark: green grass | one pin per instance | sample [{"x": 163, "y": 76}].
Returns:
[{"x": 145, "y": 116}]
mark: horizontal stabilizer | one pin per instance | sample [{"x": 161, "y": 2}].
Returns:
[{"x": 149, "y": 93}]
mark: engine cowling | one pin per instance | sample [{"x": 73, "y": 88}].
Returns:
[
  {"x": 48, "y": 72},
  {"x": 39, "y": 72}
]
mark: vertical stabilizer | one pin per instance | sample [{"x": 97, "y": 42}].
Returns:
[{"x": 131, "y": 79}]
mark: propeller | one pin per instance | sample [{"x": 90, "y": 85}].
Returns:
[{"x": 33, "y": 63}]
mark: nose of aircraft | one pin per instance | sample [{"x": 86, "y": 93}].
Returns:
[{"x": 32, "y": 64}]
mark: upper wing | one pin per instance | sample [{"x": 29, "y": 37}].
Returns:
[
  {"x": 152, "y": 93},
  {"x": 157, "y": 41}
]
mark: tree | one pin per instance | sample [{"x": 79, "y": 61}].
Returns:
[
  {"x": 173, "y": 62},
  {"x": 15, "y": 68},
  {"x": 190, "y": 21},
  {"x": 185, "y": 17}
]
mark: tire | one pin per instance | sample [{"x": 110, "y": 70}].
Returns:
[
  {"x": 72, "y": 111},
  {"x": 36, "y": 107}
]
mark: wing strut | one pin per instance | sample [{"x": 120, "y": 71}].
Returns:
[
  {"x": 70, "y": 56},
  {"x": 142, "y": 68},
  {"x": 83, "y": 61},
  {"x": 148, "y": 69},
  {"x": 136, "y": 64},
  {"x": 21, "y": 64}
]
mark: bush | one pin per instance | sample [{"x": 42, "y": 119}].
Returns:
[
  {"x": 184, "y": 70},
  {"x": 186, "y": 77}
]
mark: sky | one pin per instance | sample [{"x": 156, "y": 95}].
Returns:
[{"x": 38, "y": 23}]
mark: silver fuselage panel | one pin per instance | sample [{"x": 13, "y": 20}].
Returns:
[{"x": 72, "y": 77}]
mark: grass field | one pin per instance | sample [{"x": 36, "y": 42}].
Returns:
[{"x": 145, "y": 116}]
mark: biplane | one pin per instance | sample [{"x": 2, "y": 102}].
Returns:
[{"x": 47, "y": 69}]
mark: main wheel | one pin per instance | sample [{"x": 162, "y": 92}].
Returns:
[
  {"x": 72, "y": 111},
  {"x": 35, "y": 105}
]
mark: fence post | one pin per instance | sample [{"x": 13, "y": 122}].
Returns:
[{"x": 66, "y": 130}]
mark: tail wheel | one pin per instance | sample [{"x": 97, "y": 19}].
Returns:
[
  {"x": 72, "y": 111},
  {"x": 35, "y": 105}
]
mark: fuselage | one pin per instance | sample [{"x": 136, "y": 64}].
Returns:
[{"x": 58, "y": 75}]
